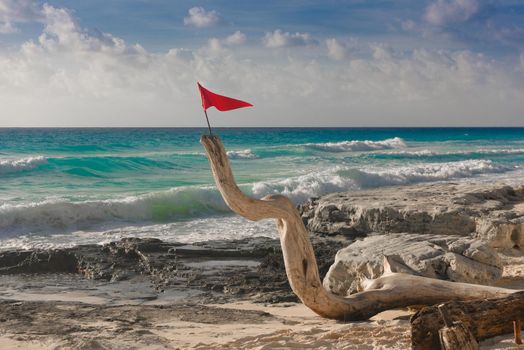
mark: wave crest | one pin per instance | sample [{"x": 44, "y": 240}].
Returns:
[
  {"x": 470, "y": 153},
  {"x": 8, "y": 166},
  {"x": 190, "y": 202},
  {"x": 340, "y": 179},
  {"x": 424, "y": 173},
  {"x": 244, "y": 154},
  {"x": 174, "y": 204},
  {"x": 358, "y": 146}
]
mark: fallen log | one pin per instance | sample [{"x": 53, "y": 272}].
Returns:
[
  {"x": 454, "y": 335},
  {"x": 391, "y": 290},
  {"x": 517, "y": 330},
  {"x": 483, "y": 318}
]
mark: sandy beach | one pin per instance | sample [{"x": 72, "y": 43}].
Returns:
[
  {"x": 259, "y": 175},
  {"x": 82, "y": 322},
  {"x": 240, "y": 325},
  {"x": 234, "y": 294}
]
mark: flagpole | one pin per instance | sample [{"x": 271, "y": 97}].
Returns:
[{"x": 207, "y": 119}]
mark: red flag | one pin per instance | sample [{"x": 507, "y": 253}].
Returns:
[{"x": 222, "y": 103}]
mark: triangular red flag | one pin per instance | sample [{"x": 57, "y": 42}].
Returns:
[{"x": 222, "y": 103}]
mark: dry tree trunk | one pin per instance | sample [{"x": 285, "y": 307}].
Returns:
[
  {"x": 391, "y": 290},
  {"x": 484, "y": 318},
  {"x": 455, "y": 336}
]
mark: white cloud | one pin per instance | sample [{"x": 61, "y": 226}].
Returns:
[
  {"x": 217, "y": 46},
  {"x": 443, "y": 12},
  {"x": 73, "y": 77},
  {"x": 17, "y": 11},
  {"x": 278, "y": 39},
  {"x": 237, "y": 38},
  {"x": 214, "y": 46},
  {"x": 200, "y": 18},
  {"x": 336, "y": 50}
]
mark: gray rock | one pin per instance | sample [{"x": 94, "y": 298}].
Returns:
[
  {"x": 226, "y": 269},
  {"x": 453, "y": 258},
  {"x": 493, "y": 213}
]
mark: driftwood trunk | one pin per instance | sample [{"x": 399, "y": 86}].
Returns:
[
  {"x": 484, "y": 319},
  {"x": 391, "y": 290},
  {"x": 454, "y": 335},
  {"x": 457, "y": 337}
]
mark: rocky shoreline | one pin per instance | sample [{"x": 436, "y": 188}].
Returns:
[
  {"x": 144, "y": 293},
  {"x": 454, "y": 231},
  {"x": 218, "y": 271},
  {"x": 460, "y": 232},
  {"x": 493, "y": 213}
]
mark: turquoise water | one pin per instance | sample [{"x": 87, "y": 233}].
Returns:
[{"x": 70, "y": 186}]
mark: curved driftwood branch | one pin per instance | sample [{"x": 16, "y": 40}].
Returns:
[{"x": 391, "y": 290}]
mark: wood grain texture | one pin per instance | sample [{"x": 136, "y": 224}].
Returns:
[
  {"x": 391, "y": 290},
  {"x": 457, "y": 337},
  {"x": 484, "y": 318}
]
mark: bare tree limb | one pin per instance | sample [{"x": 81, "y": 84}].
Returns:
[{"x": 391, "y": 290}]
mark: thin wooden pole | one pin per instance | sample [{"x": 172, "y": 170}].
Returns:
[
  {"x": 207, "y": 119},
  {"x": 517, "y": 329}
]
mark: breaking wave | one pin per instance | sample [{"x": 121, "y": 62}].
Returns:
[
  {"x": 424, "y": 173},
  {"x": 59, "y": 214},
  {"x": 339, "y": 179},
  {"x": 8, "y": 166},
  {"x": 358, "y": 146},
  {"x": 244, "y": 154},
  {"x": 470, "y": 153},
  {"x": 190, "y": 202}
]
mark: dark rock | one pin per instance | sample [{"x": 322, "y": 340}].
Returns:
[
  {"x": 37, "y": 261},
  {"x": 246, "y": 268}
]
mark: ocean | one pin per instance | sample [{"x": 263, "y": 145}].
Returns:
[{"x": 62, "y": 187}]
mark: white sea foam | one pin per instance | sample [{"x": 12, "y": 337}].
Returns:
[
  {"x": 57, "y": 214},
  {"x": 358, "y": 146},
  {"x": 185, "y": 231},
  {"x": 19, "y": 164},
  {"x": 481, "y": 151},
  {"x": 424, "y": 173},
  {"x": 501, "y": 151},
  {"x": 306, "y": 186},
  {"x": 342, "y": 179},
  {"x": 191, "y": 202},
  {"x": 244, "y": 154},
  {"x": 421, "y": 153}
]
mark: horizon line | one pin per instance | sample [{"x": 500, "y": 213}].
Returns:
[{"x": 265, "y": 127}]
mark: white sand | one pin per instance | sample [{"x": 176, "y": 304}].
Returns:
[
  {"x": 296, "y": 327},
  {"x": 293, "y": 326}
]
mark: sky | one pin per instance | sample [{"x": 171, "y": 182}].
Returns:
[{"x": 350, "y": 63}]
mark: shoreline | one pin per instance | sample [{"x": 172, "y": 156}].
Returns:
[{"x": 233, "y": 294}]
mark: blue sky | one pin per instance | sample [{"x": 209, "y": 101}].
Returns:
[
  {"x": 314, "y": 63},
  {"x": 159, "y": 24}
]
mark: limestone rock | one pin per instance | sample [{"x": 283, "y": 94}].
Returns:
[
  {"x": 493, "y": 213},
  {"x": 454, "y": 258}
]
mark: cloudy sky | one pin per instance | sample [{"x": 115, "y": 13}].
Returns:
[{"x": 301, "y": 63}]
